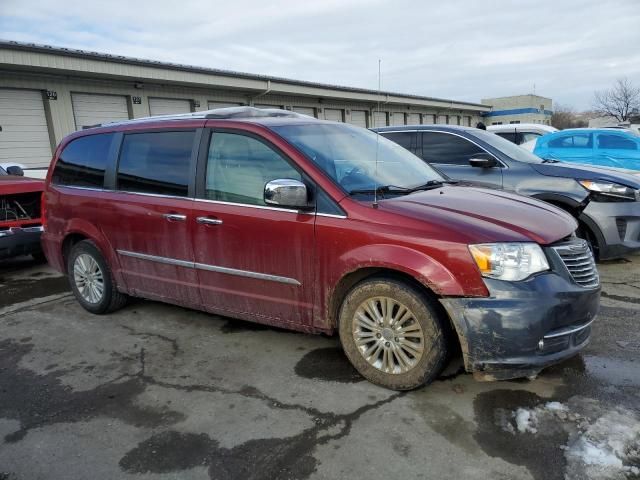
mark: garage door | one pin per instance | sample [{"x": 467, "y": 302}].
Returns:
[
  {"x": 168, "y": 106},
  {"x": 397, "y": 118},
  {"x": 413, "y": 119},
  {"x": 467, "y": 121},
  {"x": 212, "y": 105},
  {"x": 454, "y": 120},
  {"x": 305, "y": 111},
  {"x": 379, "y": 119},
  {"x": 442, "y": 119},
  {"x": 333, "y": 114},
  {"x": 265, "y": 105},
  {"x": 24, "y": 137},
  {"x": 93, "y": 109},
  {"x": 429, "y": 119},
  {"x": 359, "y": 118}
]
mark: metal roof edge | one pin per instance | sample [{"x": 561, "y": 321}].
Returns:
[{"x": 72, "y": 52}]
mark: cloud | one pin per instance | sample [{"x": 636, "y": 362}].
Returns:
[{"x": 464, "y": 50}]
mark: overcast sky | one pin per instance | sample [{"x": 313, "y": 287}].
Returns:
[{"x": 464, "y": 50}]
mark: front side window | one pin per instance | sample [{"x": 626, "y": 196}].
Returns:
[
  {"x": 357, "y": 159},
  {"x": 83, "y": 161},
  {"x": 617, "y": 142},
  {"x": 445, "y": 148},
  {"x": 581, "y": 140},
  {"x": 157, "y": 163},
  {"x": 239, "y": 167}
]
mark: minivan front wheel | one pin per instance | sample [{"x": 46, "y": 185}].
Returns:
[
  {"x": 392, "y": 334},
  {"x": 91, "y": 280}
]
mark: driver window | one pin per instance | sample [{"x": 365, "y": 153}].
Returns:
[{"x": 239, "y": 166}]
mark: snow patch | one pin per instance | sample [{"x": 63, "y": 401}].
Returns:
[
  {"x": 556, "y": 407},
  {"x": 526, "y": 420}
]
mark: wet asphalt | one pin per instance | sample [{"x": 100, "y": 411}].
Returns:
[{"x": 157, "y": 391}]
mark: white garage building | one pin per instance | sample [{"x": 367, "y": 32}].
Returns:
[{"x": 47, "y": 93}]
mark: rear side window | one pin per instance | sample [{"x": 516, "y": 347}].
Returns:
[
  {"x": 404, "y": 139},
  {"x": 582, "y": 140},
  {"x": 157, "y": 162},
  {"x": 511, "y": 136},
  {"x": 448, "y": 149},
  {"x": 82, "y": 163},
  {"x": 617, "y": 142}
]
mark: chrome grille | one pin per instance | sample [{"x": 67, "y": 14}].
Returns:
[{"x": 578, "y": 259}]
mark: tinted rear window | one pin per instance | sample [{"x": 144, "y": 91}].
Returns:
[
  {"x": 156, "y": 162},
  {"x": 82, "y": 163}
]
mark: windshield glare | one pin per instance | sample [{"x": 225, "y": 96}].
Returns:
[
  {"x": 505, "y": 146},
  {"x": 348, "y": 155}
]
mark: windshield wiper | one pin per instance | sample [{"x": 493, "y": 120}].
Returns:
[
  {"x": 381, "y": 190},
  {"x": 429, "y": 185},
  {"x": 549, "y": 160}
]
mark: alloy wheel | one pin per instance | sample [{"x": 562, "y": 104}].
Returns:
[{"x": 387, "y": 335}]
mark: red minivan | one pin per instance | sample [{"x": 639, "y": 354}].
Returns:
[{"x": 282, "y": 219}]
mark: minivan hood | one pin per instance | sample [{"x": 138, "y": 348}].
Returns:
[
  {"x": 587, "y": 172},
  {"x": 483, "y": 215}
]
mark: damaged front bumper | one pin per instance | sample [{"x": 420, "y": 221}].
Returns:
[
  {"x": 523, "y": 326},
  {"x": 16, "y": 241}
]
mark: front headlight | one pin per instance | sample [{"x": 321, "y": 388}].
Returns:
[
  {"x": 509, "y": 261},
  {"x": 609, "y": 191}
]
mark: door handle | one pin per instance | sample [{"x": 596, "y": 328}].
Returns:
[
  {"x": 174, "y": 217},
  {"x": 208, "y": 221}
]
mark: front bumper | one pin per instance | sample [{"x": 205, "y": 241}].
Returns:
[
  {"x": 616, "y": 225},
  {"x": 524, "y": 326},
  {"x": 20, "y": 241}
]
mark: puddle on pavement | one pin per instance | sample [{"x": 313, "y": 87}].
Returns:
[
  {"x": 37, "y": 399},
  {"x": 14, "y": 290},
  {"x": 328, "y": 364},
  {"x": 171, "y": 451},
  {"x": 539, "y": 453}
]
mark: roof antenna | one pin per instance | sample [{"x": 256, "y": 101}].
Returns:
[{"x": 375, "y": 184}]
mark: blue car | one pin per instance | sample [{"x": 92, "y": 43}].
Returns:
[{"x": 604, "y": 147}]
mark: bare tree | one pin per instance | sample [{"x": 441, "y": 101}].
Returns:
[
  {"x": 565, "y": 117},
  {"x": 618, "y": 102}
]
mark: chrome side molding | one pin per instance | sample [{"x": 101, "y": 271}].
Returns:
[{"x": 210, "y": 268}]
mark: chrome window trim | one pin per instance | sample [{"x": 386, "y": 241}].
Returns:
[
  {"x": 211, "y": 268},
  {"x": 330, "y": 215},
  {"x": 260, "y": 207},
  {"x": 77, "y": 187}
]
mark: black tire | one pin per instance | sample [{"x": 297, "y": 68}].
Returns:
[
  {"x": 110, "y": 300},
  {"x": 586, "y": 234},
  {"x": 432, "y": 360}
]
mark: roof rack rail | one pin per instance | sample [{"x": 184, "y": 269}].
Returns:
[
  {"x": 217, "y": 113},
  {"x": 249, "y": 112}
]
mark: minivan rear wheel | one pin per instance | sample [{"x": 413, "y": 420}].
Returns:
[
  {"x": 392, "y": 334},
  {"x": 91, "y": 280}
]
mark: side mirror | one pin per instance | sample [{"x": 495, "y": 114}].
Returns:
[
  {"x": 286, "y": 192},
  {"x": 15, "y": 170},
  {"x": 483, "y": 161}
]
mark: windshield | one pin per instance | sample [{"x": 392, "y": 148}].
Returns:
[
  {"x": 505, "y": 146},
  {"x": 348, "y": 155}
]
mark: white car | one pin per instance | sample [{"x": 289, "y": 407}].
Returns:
[{"x": 523, "y": 134}]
